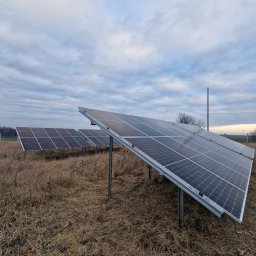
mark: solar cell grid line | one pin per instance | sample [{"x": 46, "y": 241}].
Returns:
[
  {"x": 63, "y": 132},
  {"x": 29, "y": 144},
  {"x": 217, "y": 158},
  {"x": 233, "y": 145},
  {"x": 60, "y": 143},
  {"x": 86, "y": 132},
  {"x": 98, "y": 137},
  {"x": 46, "y": 143},
  {"x": 216, "y": 169},
  {"x": 82, "y": 141},
  {"x": 93, "y": 140},
  {"x": 71, "y": 142},
  {"x": 163, "y": 155},
  {"x": 99, "y": 118},
  {"x": 151, "y": 130},
  {"x": 105, "y": 140},
  {"x": 99, "y": 133},
  {"x": 183, "y": 149},
  {"x": 228, "y": 162},
  {"x": 237, "y": 178},
  {"x": 52, "y": 132},
  {"x": 204, "y": 163},
  {"x": 199, "y": 154},
  {"x": 39, "y": 132},
  {"x": 96, "y": 141},
  {"x": 201, "y": 145},
  {"x": 24, "y": 132},
  {"x": 73, "y": 132},
  {"x": 222, "y": 171},
  {"x": 220, "y": 140},
  {"x": 36, "y": 139},
  {"x": 162, "y": 128}
]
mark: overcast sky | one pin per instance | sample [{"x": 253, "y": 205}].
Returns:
[{"x": 152, "y": 58}]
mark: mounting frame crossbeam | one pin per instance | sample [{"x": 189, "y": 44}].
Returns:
[{"x": 205, "y": 201}]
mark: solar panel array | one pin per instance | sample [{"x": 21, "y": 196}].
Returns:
[
  {"x": 208, "y": 168},
  {"x": 50, "y": 138}
]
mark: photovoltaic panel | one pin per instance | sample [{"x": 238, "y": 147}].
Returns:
[
  {"x": 30, "y": 144},
  {"x": 63, "y": 132},
  {"x": 72, "y": 142},
  {"x": 216, "y": 176},
  {"x": 39, "y": 132},
  {"x": 86, "y": 132},
  {"x": 220, "y": 140},
  {"x": 50, "y": 138},
  {"x": 189, "y": 127},
  {"x": 98, "y": 137},
  {"x": 73, "y": 132},
  {"x": 60, "y": 143},
  {"x": 82, "y": 141},
  {"x": 25, "y": 132},
  {"x": 97, "y": 142},
  {"x": 227, "y": 143},
  {"x": 46, "y": 143},
  {"x": 51, "y": 132}
]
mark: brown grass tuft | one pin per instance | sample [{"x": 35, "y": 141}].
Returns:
[{"x": 60, "y": 208}]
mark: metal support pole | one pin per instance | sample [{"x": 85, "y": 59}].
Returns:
[
  {"x": 149, "y": 171},
  {"x": 110, "y": 166},
  {"x": 181, "y": 207},
  {"x": 207, "y": 109}
]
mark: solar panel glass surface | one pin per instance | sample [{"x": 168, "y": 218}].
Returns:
[
  {"x": 60, "y": 143},
  {"x": 46, "y": 143},
  {"x": 39, "y": 132},
  {"x": 51, "y": 138},
  {"x": 24, "y": 132},
  {"x": 72, "y": 142},
  {"x": 30, "y": 144},
  {"x": 98, "y": 137},
  {"x": 82, "y": 142},
  {"x": 63, "y": 132},
  {"x": 51, "y": 132},
  {"x": 205, "y": 167}
]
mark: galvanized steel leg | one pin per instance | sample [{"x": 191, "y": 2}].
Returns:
[
  {"x": 110, "y": 166},
  {"x": 149, "y": 171},
  {"x": 181, "y": 207}
]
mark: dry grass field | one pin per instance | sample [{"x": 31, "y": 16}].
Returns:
[{"x": 60, "y": 207}]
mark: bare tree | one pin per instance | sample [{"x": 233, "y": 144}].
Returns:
[{"x": 188, "y": 119}]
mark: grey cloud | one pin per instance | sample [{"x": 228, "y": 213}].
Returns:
[{"x": 155, "y": 61}]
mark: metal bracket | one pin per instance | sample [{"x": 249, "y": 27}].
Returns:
[
  {"x": 181, "y": 207},
  {"x": 110, "y": 166}
]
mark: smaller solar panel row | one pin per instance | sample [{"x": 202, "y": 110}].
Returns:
[
  {"x": 98, "y": 137},
  {"x": 51, "y": 138}
]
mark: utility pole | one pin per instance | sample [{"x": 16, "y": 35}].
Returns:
[{"x": 207, "y": 109}]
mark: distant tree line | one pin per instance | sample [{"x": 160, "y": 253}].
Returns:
[{"x": 8, "y": 132}]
